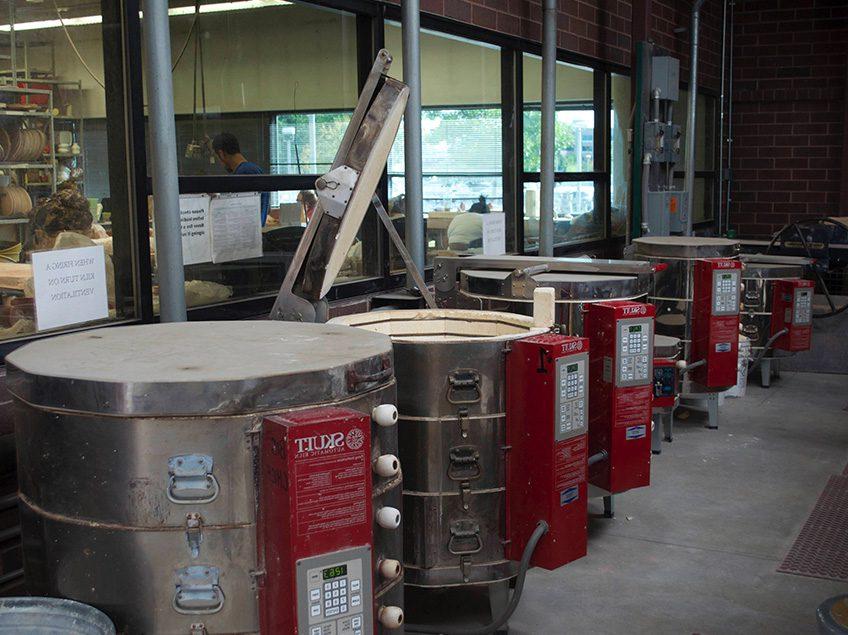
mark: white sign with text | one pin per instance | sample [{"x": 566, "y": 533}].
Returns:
[
  {"x": 236, "y": 226},
  {"x": 196, "y": 231},
  {"x": 70, "y": 286},
  {"x": 494, "y": 234}
]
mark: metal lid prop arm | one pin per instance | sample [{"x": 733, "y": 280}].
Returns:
[{"x": 344, "y": 194}]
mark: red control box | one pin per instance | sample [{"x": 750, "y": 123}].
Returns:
[
  {"x": 315, "y": 520},
  {"x": 666, "y": 383},
  {"x": 792, "y": 308},
  {"x": 621, "y": 341},
  {"x": 546, "y": 409},
  {"x": 715, "y": 322}
]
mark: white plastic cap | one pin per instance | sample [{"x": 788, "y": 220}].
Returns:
[
  {"x": 389, "y": 569},
  {"x": 390, "y": 616},
  {"x": 388, "y": 517},
  {"x": 385, "y": 415},
  {"x": 387, "y": 465}
]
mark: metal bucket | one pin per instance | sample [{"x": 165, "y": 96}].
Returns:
[
  {"x": 450, "y": 371},
  {"x": 51, "y": 616},
  {"x": 137, "y": 448}
]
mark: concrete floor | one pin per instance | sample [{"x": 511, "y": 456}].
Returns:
[{"x": 697, "y": 551}]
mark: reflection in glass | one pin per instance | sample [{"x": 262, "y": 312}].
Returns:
[
  {"x": 576, "y": 217},
  {"x": 619, "y": 124}
]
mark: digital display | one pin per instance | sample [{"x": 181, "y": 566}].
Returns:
[
  {"x": 636, "y": 329},
  {"x": 571, "y": 368},
  {"x": 726, "y": 276},
  {"x": 334, "y": 572}
]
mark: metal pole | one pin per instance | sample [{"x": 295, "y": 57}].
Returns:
[
  {"x": 410, "y": 21},
  {"x": 546, "y": 205},
  {"x": 689, "y": 182},
  {"x": 163, "y": 159},
  {"x": 721, "y": 115},
  {"x": 729, "y": 138}
]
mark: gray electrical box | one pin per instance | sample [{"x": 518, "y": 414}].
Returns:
[
  {"x": 665, "y": 77},
  {"x": 665, "y": 212}
]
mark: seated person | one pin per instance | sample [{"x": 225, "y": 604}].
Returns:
[
  {"x": 66, "y": 210},
  {"x": 465, "y": 232}
]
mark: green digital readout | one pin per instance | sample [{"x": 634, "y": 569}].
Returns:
[
  {"x": 726, "y": 276},
  {"x": 334, "y": 572},
  {"x": 571, "y": 368},
  {"x": 636, "y": 329}
]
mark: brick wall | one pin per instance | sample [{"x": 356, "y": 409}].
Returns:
[
  {"x": 597, "y": 28},
  {"x": 790, "y": 66}
]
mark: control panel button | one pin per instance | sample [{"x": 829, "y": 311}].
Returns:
[
  {"x": 315, "y": 610},
  {"x": 355, "y": 600},
  {"x": 315, "y": 630},
  {"x": 315, "y": 595},
  {"x": 354, "y": 585},
  {"x": 356, "y": 621}
]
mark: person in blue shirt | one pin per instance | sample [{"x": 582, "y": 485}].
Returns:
[{"x": 228, "y": 151}]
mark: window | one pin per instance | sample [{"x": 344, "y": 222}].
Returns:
[
  {"x": 578, "y": 212},
  {"x": 282, "y": 79},
  {"x": 67, "y": 259},
  {"x": 461, "y": 141},
  {"x": 705, "y": 174},
  {"x": 620, "y": 159}
]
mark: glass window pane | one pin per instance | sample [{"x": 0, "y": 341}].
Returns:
[
  {"x": 54, "y": 136},
  {"x": 576, "y": 215},
  {"x": 575, "y": 117},
  {"x": 619, "y": 124},
  {"x": 704, "y": 129},
  {"x": 210, "y": 282},
  {"x": 461, "y": 140},
  {"x": 249, "y": 64}
]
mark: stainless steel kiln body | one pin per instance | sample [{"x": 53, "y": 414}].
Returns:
[
  {"x": 506, "y": 283},
  {"x": 452, "y": 426},
  {"x": 673, "y": 290},
  {"x": 105, "y": 417},
  {"x": 758, "y": 277}
]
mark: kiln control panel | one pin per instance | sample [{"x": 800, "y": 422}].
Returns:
[
  {"x": 802, "y": 306},
  {"x": 334, "y": 593},
  {"x": 634, "y": 352},
  {"x": 726, "y": 291},
  {"x": 571, "y": 396}
]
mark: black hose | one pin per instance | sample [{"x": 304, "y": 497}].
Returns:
[
  {"x": 759, "y": 358},
  {"x": 523, "y": 566}
]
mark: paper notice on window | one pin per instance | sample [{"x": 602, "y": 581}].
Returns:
[
  {"x": 70, "y": 286},
  {"x": 196, "y": 230},
  {"x": 236, "y": 226},
  {"x": 494, "y": 234}
]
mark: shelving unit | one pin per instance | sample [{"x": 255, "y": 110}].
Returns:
[{"x": 50, "y": 163}]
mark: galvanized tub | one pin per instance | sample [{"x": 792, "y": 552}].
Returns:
[
  {"x": 674, "y": 285},
  {"x": 758, "y": 276},
  {"x": 51, "y": 616},
  {"x": 137, "y": 449},
  {"x": 450, "y": 371}
]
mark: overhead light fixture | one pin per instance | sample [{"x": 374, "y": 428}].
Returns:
[{"x": 216, "y": 7}]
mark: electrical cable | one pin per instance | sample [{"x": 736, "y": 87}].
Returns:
[
  {"x": 768, "y": 345},
  {"x": 75, "y": 49},
  {"x": 541, "y": 529}
]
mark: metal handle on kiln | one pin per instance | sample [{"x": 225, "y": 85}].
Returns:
[
  {"x": 464, "y": 530},
  {"x": 191, "y": 480},
  {"x": 464, "y": 386}
]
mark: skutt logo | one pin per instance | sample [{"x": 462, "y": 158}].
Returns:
[
  {"x": 635, "y": 310},
  {"x": 323, "y": 442},
  {"x": 570, "y": 347}
]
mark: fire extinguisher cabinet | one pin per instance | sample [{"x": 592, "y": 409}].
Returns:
[{"x": 137, "y": 453}]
